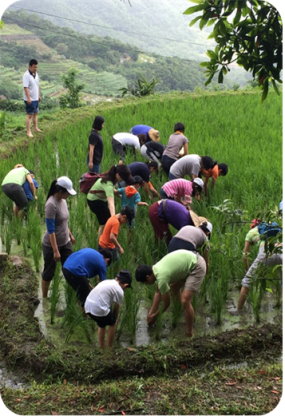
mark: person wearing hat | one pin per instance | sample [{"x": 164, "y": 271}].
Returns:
[
  {"x": 181, "y": 269},
  {"x": 182, "y": 190},
  {"x": 109, "y": 238},
  {"x": 95, "y": 145},
  {"x": 219, "y": 169},
  {"x": 193, "y": 239},
  {"x": 165, "y": 212},
  {"x": 150, "y": 132},
  {"x": 81, "y": 266},
  {"x": 103, "y": 304},
  {"x": 58, "y": 239},
  {"x": 12, "y": 186},
  {"x": 176, "y": 142},
  {"x": 130, "y": 196},
  {"x": 122, "y": 141}
]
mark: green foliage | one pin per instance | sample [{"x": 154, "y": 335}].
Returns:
[
  {"x": 71, "y": 99},
  {"x": 252, "y": 39},
  {"x": 141, "y": 88}
]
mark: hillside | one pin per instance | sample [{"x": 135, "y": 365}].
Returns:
[
  {"x": 149, "y": 25},
  {"x": 104, "y": 65}
]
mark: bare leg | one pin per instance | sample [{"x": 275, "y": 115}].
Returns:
[
  {"x": 100, "y": 230},
  {"x": 242, "y": 297},
  {"x": 35, "y": 122},
  {"x": 45, "y": 288},
  {"x": 101, "y": 337},
  {"x": 28, "y": 124},
  {"x": 111, "y": 335},
  {"x": 186, "y": 300}
]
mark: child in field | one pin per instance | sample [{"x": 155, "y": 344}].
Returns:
[
  {"x": 103, "y": 304},
  {"x": 27, "y": 188},
  {"x": 130, "y": 194},
  {"x": 109, "y": 238}
]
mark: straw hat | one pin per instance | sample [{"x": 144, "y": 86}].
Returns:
[{"x": 154, "y": 135}]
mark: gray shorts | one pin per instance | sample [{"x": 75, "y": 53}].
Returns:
[
  {"x": 194, "y": 280},
  {"x": 16, "y": 193}
]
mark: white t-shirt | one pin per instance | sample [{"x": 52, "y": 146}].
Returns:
[
  {"x": 33, "y": 84},
  {"x": 186, "y": 166},
  {"x": 127, "y": 139},
  {"x": 100, "y": 299}
]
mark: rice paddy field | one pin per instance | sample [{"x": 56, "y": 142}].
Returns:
[{"x": 236, "y": 129}]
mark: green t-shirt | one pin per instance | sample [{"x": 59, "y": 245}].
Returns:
[
  {"x": 253, "y": 236},
  {"x": 106, "y": 187},
  {"x": 173, "y": 267},
  {"x": 17, "y": 176}
]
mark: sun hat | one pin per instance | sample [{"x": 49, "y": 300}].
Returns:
[
  {"x": 154, "y": 135},
  {"x": 66, "y": 183},
  {"x": 124, "y": 276},
  {"x": 209, "y": 226},
  {"x": 199, "y": 182}
]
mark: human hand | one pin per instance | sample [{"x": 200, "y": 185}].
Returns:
[
  {"x": 72, "y": 239},
  {"x": 90, "y": 165},
  {"x": 56, "y": 255},
  {"x": 151, "y": 318},
  {"x": 121, "y": 250}
]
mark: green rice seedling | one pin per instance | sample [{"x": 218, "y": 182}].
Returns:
[{"x": 74, "y": 317}]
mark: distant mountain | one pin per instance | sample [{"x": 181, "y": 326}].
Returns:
[{"x": 150, "y": 25}]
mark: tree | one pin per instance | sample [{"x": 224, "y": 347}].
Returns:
[
  {"x": 71, "y": 99},
  {"x": 141, "y": 88},
  {"x": 248, "y": 32}
]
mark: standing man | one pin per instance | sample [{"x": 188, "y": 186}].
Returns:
[
  {"x": 32, "y": 96},
  {"x": 95, "y": 145},
  {"x": 180, "y": 272}
]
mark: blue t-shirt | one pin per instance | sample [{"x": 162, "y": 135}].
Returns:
[
  {"x": 28, "y": 191},
  {"x": 131, "y": 201},
  {"x": 140, "y": 129},
  {"x": 86, "y": 262}
]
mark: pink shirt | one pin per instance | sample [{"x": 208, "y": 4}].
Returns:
[{"x": 178, "y": 189}]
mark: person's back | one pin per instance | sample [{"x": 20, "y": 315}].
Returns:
[
  {"x": 192, "y": 234},
  {"x": 175, "y": 142},
  {"x": 174, "y": 213},
  {"x": 188, "y": 165},
  {"x": 139, "y": 169},
  {"x": 86, "y": 262},
  {"x": 100, "y": 299},
  {"x": 111, "y": 226}
]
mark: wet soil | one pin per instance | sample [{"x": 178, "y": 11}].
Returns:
[{"x": 23, "y": 346}]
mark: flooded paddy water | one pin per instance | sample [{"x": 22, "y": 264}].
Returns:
[{"x": 168, "y": 327}]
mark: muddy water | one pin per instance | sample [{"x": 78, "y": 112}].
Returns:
[{"x": 205, "y": 324}]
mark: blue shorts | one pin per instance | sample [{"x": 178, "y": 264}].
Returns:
[{"x": 32, "y": 108}]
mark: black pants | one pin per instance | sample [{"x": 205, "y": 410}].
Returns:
[
  {"x": 49, "y": 261},
  {"x": 79, "y": 283},
  {"x": 167, "y": 162},
  {"x": 179, "y": 244}
]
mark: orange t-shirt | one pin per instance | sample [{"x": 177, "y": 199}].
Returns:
[
  {"x": 111, "y": 226},
  {"x": 211, "y": 173}
]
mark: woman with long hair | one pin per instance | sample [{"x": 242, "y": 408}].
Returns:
[
  {"x": 58, "y": 239},
  {"x": 100, "y": 198}
]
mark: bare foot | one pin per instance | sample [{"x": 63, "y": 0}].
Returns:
[
  {"x": 38, "y": 130},
  {"x": 29, "y": 134}
]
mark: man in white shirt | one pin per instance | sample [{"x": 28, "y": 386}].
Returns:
[
  {"x": 103, "y": 304},
  {"x": 31, "y": 84}
]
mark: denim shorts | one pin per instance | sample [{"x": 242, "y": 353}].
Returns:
[{"x": 32, "y": 108}]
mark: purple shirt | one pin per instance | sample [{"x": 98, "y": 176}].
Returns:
[{"x": 174, "y": 213}]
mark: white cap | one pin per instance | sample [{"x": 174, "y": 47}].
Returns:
[
  {"x": 209, "y": 226},
  {"x": 199, "y": 182},
  {"x": 66, "y": 183}
]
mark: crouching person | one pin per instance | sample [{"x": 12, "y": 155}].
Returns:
[
  {"x": 103, "y": 304},
  {"x": 181, "y": 270},
  {"x": 81, "y": 266}
]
